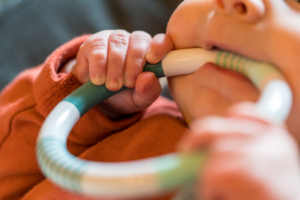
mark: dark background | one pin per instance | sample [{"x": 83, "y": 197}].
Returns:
[{"x": 31, "y": 29}]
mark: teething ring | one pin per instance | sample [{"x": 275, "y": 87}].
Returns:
[{"x": 153, "y": 175}]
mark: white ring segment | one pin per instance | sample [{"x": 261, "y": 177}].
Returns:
[
  {"x": 276, "y": 101},
  {"x": 122, "y": 180},
  {"x": 186, "y": 61},
  {"x": 60, "y": 121}
]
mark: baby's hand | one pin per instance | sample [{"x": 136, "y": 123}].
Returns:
[
  {"x": 116, "y": 58},
  {"x": 250, "y": 158}
]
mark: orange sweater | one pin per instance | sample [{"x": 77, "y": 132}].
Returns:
[{"x": 26, "y": 102}]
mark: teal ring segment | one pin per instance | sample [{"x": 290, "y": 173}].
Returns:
[
  {"x": 89, "y": 95},
  {"x": 160, "y": 174},
  {"x": 157, "y": 69}
]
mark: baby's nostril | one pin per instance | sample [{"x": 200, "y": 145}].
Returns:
[{"x": 240, "y": 8}]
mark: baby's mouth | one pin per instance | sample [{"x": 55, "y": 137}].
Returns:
[{"x": 221, "y": 47}]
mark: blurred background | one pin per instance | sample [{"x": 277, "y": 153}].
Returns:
[{"x": 31, "y": 29}]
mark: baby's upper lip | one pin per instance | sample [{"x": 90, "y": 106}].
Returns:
[
  {"x": 213, "y": 45},
  {"x": 208, "y": 45},
  {"x": 225, "y": 47}
]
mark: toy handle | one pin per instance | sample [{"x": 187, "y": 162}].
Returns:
[{"x": 148, "y": 176}]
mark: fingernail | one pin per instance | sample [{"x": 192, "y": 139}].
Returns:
[
  {"x": 149, "y": 84},
  {"x": 130, "y": 81},
  {"x": 98, "y": 79},
  {"x": 113, "y": 83},
  {"x": 152, "y": 56}
]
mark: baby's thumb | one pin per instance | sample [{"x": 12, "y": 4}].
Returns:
[{"x": 147, "y": 90}]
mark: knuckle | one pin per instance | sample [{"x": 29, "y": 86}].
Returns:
[
  {"x": 134, "y": 66},
  {"x": 137, "y": 54},
  {"x": 119, "y": 39},
  {"x": 98, "y": 55},
  {"x": 116, "y": 60},
  {"x": 99, "y": 43},
  {"x": 140, "y": 37}
]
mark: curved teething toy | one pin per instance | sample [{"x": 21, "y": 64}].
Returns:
[{"x": 153, "y": 175}]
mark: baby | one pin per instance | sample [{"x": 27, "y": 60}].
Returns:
[{"x": 250, "y": 157}]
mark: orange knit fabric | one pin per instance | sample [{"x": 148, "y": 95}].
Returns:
[{"x": 26, "y": 102}]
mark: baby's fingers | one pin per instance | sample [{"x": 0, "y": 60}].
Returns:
[
  {"x": 160, "y": 45},
  {"x": 97, "y": 55},
  {"x": 147, "y": 90},
  {"x": 117, "y": 50},
  {"x": 135, "y": 61},
  {"x": 92, "y": 58}
]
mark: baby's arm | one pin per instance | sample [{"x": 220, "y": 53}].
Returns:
[
  {"x": 250, "y": 158},
  {"x": 117, "y": 57}
]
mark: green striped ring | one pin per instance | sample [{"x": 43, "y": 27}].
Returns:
[
  {"x": 254, "y": 70},
  {"x": 227, "y": 54},
  {"x": 233, "y": 57}
]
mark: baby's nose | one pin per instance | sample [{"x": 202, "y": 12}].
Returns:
[{"x": 246, "y": 10}]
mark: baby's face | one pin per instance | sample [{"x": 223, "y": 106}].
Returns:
[{"x": 265, "y": 30}]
